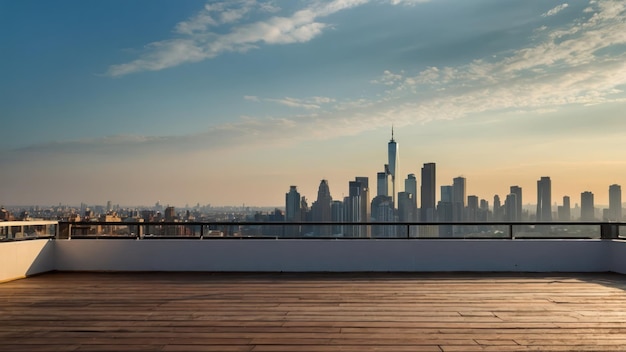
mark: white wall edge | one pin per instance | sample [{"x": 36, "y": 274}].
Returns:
[{"x": 19, "y": 259}]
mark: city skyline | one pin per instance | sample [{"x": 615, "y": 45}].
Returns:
[{"x": 229, "y": 103}]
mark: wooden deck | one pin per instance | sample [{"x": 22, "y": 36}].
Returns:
[{"x": 313, "y": 312}]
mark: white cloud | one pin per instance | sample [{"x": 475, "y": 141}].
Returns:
[
  {"x": 407, "y": 2},
  {"x": 354, "y": 104},
  {"x": 555, "y": 10},
  {"x": 553, "y": 73},
  {"x": 388, "y": 78},
  {"x": 562, "y": 67},
  {"x": 196, "y": 24},
  {"x": 269, "y": 7},
  {"x": 160, "y": 55},
  {"x": 429, "y": 76},
  {"x": 294, "y": 103},
  {"x": 233, "y": 15},
  {"x": 307, "y": 103},
  {"x": 322, "y": 100},
  {"x": 215, "y": 14},
  {"x": 278, "y": 30},
  {"x": 302, "y": 26}
]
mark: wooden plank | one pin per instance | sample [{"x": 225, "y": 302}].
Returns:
[{"x": 313, "y": 312}]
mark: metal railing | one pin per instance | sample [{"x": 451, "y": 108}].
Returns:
[
  {"x": 24, "y": 230},
  {"x": 340, "y": 230}
]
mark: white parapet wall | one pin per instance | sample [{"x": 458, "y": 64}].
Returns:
[
  {"x": 23, "y": 258},
  {"x": 618, "y": 256},
  {"x": 338, "y": 255}
]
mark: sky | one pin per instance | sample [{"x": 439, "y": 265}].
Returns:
[{"x": 230, "y": 103}]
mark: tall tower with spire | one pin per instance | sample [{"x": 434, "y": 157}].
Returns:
[{"x": 392, "y": 152}]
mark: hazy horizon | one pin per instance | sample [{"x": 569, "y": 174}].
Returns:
[{"x": 230, "y": 103}]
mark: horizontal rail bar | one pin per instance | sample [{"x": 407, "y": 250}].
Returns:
[
  {"x": 343, "y": 223},
  {"x": 340, "y": 230}
]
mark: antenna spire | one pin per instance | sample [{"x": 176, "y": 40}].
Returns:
[{"x": 392, "y": 132}]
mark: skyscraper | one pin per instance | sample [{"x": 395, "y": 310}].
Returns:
[
  {"x": 587, "y": 208},
  {"x": 544, "y": 199},
  {"x": 392, "y": 152},
  {"x": 615, "y": 203},
  {"x": 517, "y": 190},
  {"x": 305, "y": 215},
  {"x": 472, "y": 208},
  {"x": 292, "y": 211},
  {"x": 382, "y": 211},
  {"x": 458, "y": 198},
  {"x": 447, "y": 195},
  {"x": 356, "y": 207},
  {"x": 321, "y": 209},
  {"x": 510, "y": 207},
  {"x": 410, "y": 186},
  {"x": 497, "y": 209},
  {"x": 352, "y": 203},
  {"x": 445, "y": 211},
  {"x": 405, "y": 207},
  {"x": 483, "y": 211},
  {"x": 428, "y": 193},
  {"x": 405, "y": 212},
  {"x": 170, "y": 213},
  {"x": 382, "y": 183},
  {"x": 337, "y": 215},
  {"x": 292, "y": 205},
  {"x": 564, "y": 211},
  {"x": 365, "y": 198}
]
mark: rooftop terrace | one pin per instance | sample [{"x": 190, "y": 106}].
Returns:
[{"x": 108, "y": 291}]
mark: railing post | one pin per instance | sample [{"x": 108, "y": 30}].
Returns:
[
  {"x": 64, "y": 231},
  {"x": 609, "y": 231},
  {"x": 511, "y": 232}
]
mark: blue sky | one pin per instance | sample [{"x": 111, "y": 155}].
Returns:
[{"x": 231, "y": 102}]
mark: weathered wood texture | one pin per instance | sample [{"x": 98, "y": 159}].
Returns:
[{"x": 313, "y": 312}]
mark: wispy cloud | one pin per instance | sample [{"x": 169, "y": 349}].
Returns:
[
  {"x": 407, "y": 2},
  {"x": 552, "y": 73},
  {"x": 555, "y": 10},
  {"x": 269, "y": 7},
  {"x": 294, "y": 103},
  {"x": 306, "y": 103},
  {"x": 388, "y": 78},
  {"x": 219, "y": 13},
  {"x": 252, "y": 98},
  {"x": 196, "y": 41}
]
